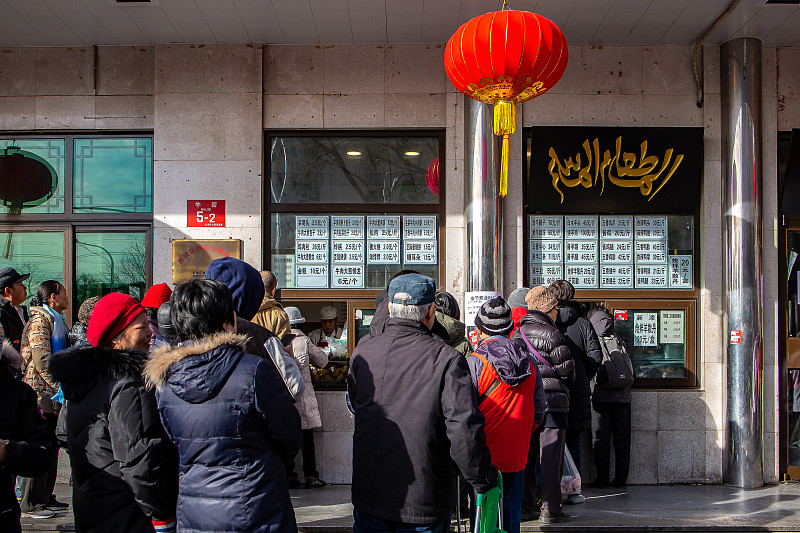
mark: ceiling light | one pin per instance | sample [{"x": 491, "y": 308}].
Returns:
[
  {"x": 412, "y": 153},
  {"x": 353, "y": 153}
]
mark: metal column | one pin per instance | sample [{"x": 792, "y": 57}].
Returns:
[
  {"x": 740, "y": 61},
  {"x": 484, "y": 212}
]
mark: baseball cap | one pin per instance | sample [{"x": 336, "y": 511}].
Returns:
[
  {"x": 412, "y": 289},
  {"x": 9, "y": 276}
]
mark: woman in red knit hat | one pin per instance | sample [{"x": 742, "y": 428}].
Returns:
[
  {"x": 155, "y": 296},
  {"x": 124, "y": 466}
]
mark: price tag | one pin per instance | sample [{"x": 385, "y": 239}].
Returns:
[
  {"x": 671, "y": 327},
  {"x": 680, "y": 271},
  {"x": 347, "y": 277},
  {"x": 645, "y": 329},
  {"x": 347, "y": 227},
  {"x": 616, "y": 276},
  {"x": 617, "y": 252},
  {"x": 651, "y": 227},
  {"x": 546, "y": 252},
  {"x": 651, "y": 251},
  {"x": 383, "y": 252},
  {"x": 546, "y": 227},
  {"x": 311, "y": 251},
  {"x": 651, "y": 276},
  {"x": 417, "y": 227},
  {"x": 582, "y": 276},
  {"x": 383, "y": 227},
  {"x": 311, "y": 276},
  {"x": 419, "y": 252},
  {"x": 616, "y": 227},
  {"x": 311, "y": 227},
  {"x": 580, "y": 227},
  {"x": 347, "y": 252},
  {"x": 545, "y": 274},
  {"x": 581, "y": 251}
]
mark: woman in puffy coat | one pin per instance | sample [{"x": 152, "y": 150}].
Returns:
[
  {"x": 230, "y": 415},
  {"x": 547, "y": 347},
  {"x": 124, "y": 468}
]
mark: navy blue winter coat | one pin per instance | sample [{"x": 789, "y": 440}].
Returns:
[{"x": 232, "y": 420}]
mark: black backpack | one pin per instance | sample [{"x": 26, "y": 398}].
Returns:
[{"x": 616, "y": 370}]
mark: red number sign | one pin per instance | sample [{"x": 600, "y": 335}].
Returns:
[
  {"x": 205, "y": 213},
  {"x": 736, "y": 336},
  {"x": 620, "y": 315}
]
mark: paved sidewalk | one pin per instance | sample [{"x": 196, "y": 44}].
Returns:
[{"x": 639, "y": 508}]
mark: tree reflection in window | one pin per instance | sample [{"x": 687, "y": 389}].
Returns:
[{"x": 383, "y": 170}]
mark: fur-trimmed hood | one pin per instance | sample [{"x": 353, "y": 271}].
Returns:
[
  {"x": 80, "y": 368},
  {"x": 196, "y": 370}
]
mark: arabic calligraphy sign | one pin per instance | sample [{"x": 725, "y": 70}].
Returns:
[{"x": 615, "y": 170}]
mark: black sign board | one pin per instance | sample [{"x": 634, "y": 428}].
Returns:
[
  {"x": 790, "y": 195},
  {"x": 615, "y": 170}
]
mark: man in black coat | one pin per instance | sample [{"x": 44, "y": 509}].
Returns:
[
  {"x": 585, "y": 350},
  {"x": 27, "y": 446},
  {"x": 415, "y": 415},
  {"x": 13, "y": 315}
]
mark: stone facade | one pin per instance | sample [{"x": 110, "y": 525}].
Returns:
[{"x": 209, "y": 105}]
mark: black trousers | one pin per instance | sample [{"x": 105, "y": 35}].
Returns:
[
  {"x": 546, "y": 448},
  {"x": 309, "y": 458},
  {"x": 615, "y": 421},
  {"x": 36, "y": 491}
]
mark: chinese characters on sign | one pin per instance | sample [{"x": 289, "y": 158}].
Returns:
[
  {"x": 335, "y": 251},
  {"x": 191, "y": 257},
  {"x": 605, "y": 252},
  {"x": 671, "y": 327},
  {"x": 645, "y": 329},
  {"x": 205, "y": 213}
]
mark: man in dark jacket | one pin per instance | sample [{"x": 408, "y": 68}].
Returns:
[
  {"x": 614, "y": 408},
  {"x": 538, "y": 333},
  {"x": 27, "y": 446},
  {"x": 415, "y": 415},
  {"x": 585, "y": 350},
  {"x": 125, "y": 469},
  {"x": 227, "y": 410},
  {"x": 13, "y": 315}
]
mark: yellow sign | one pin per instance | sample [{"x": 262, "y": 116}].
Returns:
[
  {"x": 191, "y": 257},
  {"x": 621, "y": 169}
]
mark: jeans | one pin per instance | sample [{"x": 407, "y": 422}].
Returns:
[{"x": 367, "y": 523}]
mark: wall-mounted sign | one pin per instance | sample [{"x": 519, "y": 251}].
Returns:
[
  {"x": 191, "y": 257},
  {"x": 581, "y": 276},
  {"x": 651, "y": 228},
  {"x": 616, "y": 276},
  {"x": 546, "y": 274},
  {"x": 627, "y": 170},
  {"x": 581, "y": 251},
  {"x": 616, "y": 252},
  {"x": 311, "y": 251},
  {"x": 580, "y": 227},
  {"x": 546, "y": 227},
  {"x": 473, "y": 302},
  {"x": 347, "y": 276},
  {"x": 419, "y": 227},
  {"x": 383, "y": 227},
  {"x": 311, "y": 227},
  {"x": 651, "y": 276},
  {"x": 347, "y": 252},
  {"x": 680, "y": 271},
  {"x": 620, "y": 314},
  {"x": 205, "y": 213},
  {"x": 546, "y": 252},
  {"x": 645, "y": 329},
  {"x": 311, "y": 276},
  {"x": 347, "y": 227},
  {"x": 419, "y": 252},
  {"x": 671, "y": 325}
]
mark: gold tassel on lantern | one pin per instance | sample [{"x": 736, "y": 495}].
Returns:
[{"x": 505, "y": 123}]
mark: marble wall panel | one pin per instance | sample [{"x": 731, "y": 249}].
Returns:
[
  {"x": 125, "y": 70},
  {"x": 612, "y": 70},
  {"x": 644, "y": 458},
  {"x": 124, "y": 112},
  {"x": 415, "y": 110},
  {"x": 64, "y": 71},
  {"x": 682, "y": 456},
  {"x": 681, "y": 411},
  {"x": 553, "y": 109},
  {"x": 354, "y": 111},
  {"x": 336, "y": 466},
  {"x": 415, "y": 68},
  {"x": 213, "y": 68},
  {"x": 293, "y": 111},
  {"x": 65, "y": 112},
  {"x": 668, "y": 70},
  {"x": 294, "y": 69},
  {"x": 714, "y": 445},
  {"x": 671, "y": 110},
  {"x": 17, "y": 113},
  {"x": 644, "y": 410},
  {"x": 354, "y": 69},
  {"x": 17, "y": 71},
  {"x": 612, "y": 110},
  {"x": 711, "y": 69},
  {"x": 455, "y": 267}
]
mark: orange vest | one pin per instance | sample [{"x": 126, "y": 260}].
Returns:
[{"x": 509, "y": 413}]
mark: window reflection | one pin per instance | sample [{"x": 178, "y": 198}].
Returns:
[
  {"x": 110, "y": 262},
  {"x": 53, "y": 151},
  {"x": 40, "y": 254}
]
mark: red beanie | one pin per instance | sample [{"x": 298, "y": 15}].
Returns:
[
  {"x": 516, "y": 315},
  {"x": 157, "y": 295},
  {"x": 113, "y": 313}
]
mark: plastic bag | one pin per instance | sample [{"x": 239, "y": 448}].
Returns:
[{"x": 570, "y": 477}]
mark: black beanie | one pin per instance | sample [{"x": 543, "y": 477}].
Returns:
[{"x": 494, "y": 317}]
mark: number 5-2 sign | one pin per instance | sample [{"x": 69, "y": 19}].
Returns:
[{"x": 205, "y": 213}]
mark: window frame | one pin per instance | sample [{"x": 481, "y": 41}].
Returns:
[
  {"x": 349, "y": 208},
  {"x": 68, "y": 183},
  {"x": 688, "y": 299}
]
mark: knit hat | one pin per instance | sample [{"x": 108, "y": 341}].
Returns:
[
  {"x": 494, "y": 317},
  {"x": 242, "y": 280},
  {"x": 157, "y": 295},
  {"x": 540, "y": 299},
  {"x": 295, "y": 316},
  {"x": 113, "y": 313},
  {"x": 517, "y": 297},
  {"x": 85, "y": 310},
  {"x": 328, "y": 313}
]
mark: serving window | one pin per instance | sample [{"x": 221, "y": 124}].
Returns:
[
  {"x": 615, "y": 212},
  {"x": 346, "y": 211}
]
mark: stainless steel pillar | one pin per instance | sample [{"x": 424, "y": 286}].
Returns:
[
  {"x": 484, "y": 212},
  {"x": 740, "y": 61}
]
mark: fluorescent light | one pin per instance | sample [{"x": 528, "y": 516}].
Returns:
[
  {"x": 353, "y": 153},
  {"x": 412, "y": 154}
]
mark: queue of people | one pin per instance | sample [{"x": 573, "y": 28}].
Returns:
[{"x": 188, "y": 411}]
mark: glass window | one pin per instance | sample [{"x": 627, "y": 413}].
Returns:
[
  {"x": 110, "y": 262},
  {"x": 376, "y": 170},
  {"x": 52, "y": 151},
  {"x": 656, "y": 341},
  {"x": 352, "y": 251},
  {"x": 40, "y": 254},
  {"x": 113, "y": 175}
]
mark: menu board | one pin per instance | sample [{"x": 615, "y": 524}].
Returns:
[
  {"x": 606, "y": 252},
  {"x": 645, "y": 329},
  {"x": 335, "y": 251},
  {"x": 671, "y": 326}
]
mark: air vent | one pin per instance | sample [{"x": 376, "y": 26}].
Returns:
[{"x": 135, "y": 2}]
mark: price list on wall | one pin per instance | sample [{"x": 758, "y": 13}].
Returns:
[
  {"x": 605, "y": 252},
  {"x": 335, "y": 251}
]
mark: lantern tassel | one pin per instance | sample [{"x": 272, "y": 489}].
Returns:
[{"x": 505, "y": 123}]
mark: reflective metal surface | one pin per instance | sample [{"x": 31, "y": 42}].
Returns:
[
  {"x": 740, "y": 61},
  {"x": 484, "y": 271}
]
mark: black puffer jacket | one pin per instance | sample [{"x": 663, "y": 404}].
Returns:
[
  {"x": 545, "y": 338},
  {"x": 31, "y": 445},
  {"x": 124, "y": 468},
  {"x": 585, "y": 349},
  {"x": 233, "y": 422}
]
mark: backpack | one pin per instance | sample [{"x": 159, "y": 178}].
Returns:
[{"x": 616, "y": 370}]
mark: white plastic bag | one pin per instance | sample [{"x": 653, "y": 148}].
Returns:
[{"x": 570, "y": 477}]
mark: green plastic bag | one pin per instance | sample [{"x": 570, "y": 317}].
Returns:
[{"x": 489, "y": 515}]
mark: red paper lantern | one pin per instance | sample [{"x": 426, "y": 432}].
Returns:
[
  {"x": 504, "y": 58},
  {"x": 432, "y": 176}
]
